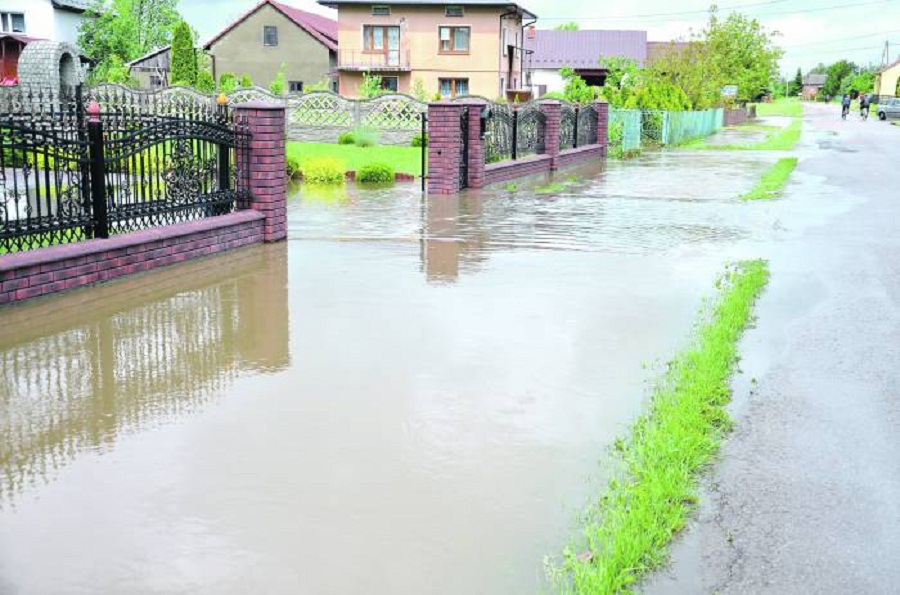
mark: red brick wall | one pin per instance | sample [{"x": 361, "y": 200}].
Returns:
[
  {"x": 30, "y": 274},
  {"x": 444, "y": 147},
  {"x": 268, "y": 178},
  {"x": 733, "y": 117}
]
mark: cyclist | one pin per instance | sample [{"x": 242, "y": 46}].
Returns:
[
  {"x": 864, "y": 106},
  {"x": 845, "y": 106}
]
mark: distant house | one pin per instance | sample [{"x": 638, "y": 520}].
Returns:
[
  {"x": 467, "y": 47},
  {"x": 33, "y": 20},
  {"x": 151, "y": 71},
  {"x": 550, "y": 50},
  {"x": 887, "y": 81},
  {"x": 812, "y": 85},
  {"x": 272, "y": 34}
]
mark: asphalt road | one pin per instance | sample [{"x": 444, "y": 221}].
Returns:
[{"x": 806, "y": 495}]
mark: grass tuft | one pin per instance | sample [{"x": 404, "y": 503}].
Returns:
[
  {"x": 403, "y": 159},
  {"x": 782, "y": 139},
  {"x": 648, "y": 501},
  {"x": 772, "y": 180},
  {"x": 782, "y": 107}
]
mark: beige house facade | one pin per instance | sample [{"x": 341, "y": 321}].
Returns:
[
  {"x": 441, "y": 49},
  {"x": 887, "y": 82},
  {"x": 272, "y": 35}
]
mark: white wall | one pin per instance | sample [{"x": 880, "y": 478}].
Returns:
[
  {"x": 549, "y": 77},
  {"x": 44, "y": 21}
]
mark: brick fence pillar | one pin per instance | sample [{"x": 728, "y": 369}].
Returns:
[
  {"x": 476, "y": 145},
  {"x": 444, "y": 147},
  {"x": 553, "y": 111},
  {"x": 264, "y": 170},
  {"x": 602, "y": 109}
]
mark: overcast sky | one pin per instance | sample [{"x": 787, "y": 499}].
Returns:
[{"x": 812, "y": 31}]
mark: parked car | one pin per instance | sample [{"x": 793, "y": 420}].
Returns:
[{"x": 890, "y": 108}]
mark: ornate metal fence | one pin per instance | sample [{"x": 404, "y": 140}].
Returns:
[
  {"x": 142, "y": 161},
  {"x": 586, "y": 121},
  {"x": 529, "y": 130},
  {"x": 568, "y": 126},
  {"x": 499, "y": 133}
]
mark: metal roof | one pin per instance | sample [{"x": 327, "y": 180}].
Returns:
[
  {"x": 73, "y": 5},
  {"x": 441, "y": 3},
  {"x": 583, "y": 49}
]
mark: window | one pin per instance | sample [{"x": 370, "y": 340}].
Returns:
[
  {"x": 451, "y": 88},
  {"x": 381, "y": 10},
  {"x": 156, "y": 81},
  {"x": 390, "y": 83},
  {"x": 454, "y": 11},
  {"x": 453, "y": 40},
  {"x": 295, "y": 86},
  {"x": 12, "y": 22},
  {"x": 270, "y": 36}
]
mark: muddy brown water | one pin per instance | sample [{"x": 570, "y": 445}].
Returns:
[{"x": 410, "y": 395}]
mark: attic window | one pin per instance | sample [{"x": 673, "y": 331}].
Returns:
[
  {"x": 454, "y": 10},
  {"x": 270, "y": 36},
  {"x": 381, "y": 10}
]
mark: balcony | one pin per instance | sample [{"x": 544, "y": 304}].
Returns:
[{"x": 359, "y": 61}]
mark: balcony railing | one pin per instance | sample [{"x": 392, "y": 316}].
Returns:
[{"x": 388, "y": 61}]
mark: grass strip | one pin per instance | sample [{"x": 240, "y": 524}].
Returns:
[
  {"x": 782, "y": 139},
  {"x": 791, "y": 108},
  {"x": 773, "y": 180},
  {"x": 403, "y": 159},
  {"x": 648, "y": 500}
]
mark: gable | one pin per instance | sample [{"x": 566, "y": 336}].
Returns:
[{"x": 289, "y": 20}]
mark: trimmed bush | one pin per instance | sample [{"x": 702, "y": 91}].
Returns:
[
  {"x": 365, "y": 137},
  {"x": 346, "y": 138},
  {"x": 323, "y": 170},
  {"x": 420, "y": 140},
  {"x": 227, "y": 82},
  {"x": 375, "y": 173},
  {"x": 292, "y": 167}
]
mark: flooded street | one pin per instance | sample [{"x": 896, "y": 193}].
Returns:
[{"x": 412, "y": 395}]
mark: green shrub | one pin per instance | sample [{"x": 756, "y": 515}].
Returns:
[
  {"x": 279, "y": 85},
  {"x": 346, "y": 138},
  {"x": 227, "y": 82},
  {"x": 420, "y": 140},
  {"x": 323, "y": 170},
  {"x": 365, "y": 137},
  {"x": 375, "y": 173},
  {"x": 205, "y": 82},
  {"x": 292, "y": 166},
  {"x": 246, "y": 81}
]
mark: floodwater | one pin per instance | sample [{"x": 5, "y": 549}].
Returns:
[{"x": 412, "y": 395}]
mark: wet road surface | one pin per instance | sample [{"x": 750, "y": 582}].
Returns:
[
  {"x": 806, "y": 497},
  {"x": 410, "y": 395}
]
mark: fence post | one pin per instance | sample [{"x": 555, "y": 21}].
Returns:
[
  {"x": 515, "y": 134},
  {"x": 264, "y": 167},
  {"x": 553, "y": 111},
  {"x": 476, "y": 146},
  {"x": 444, "y": 147},
  {"x": 424, "y": 148},
  {"x": 602, "y": 109},
  {"x": 98, "y": 173},
  {"x": 224, "y": 149}
]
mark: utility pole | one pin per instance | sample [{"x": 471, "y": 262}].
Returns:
[{"x": 886, "y": 56}]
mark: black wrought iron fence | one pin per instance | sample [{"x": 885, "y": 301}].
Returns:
[
  {"x": 568, "y": 126},
  {"x": 68, "y": 175},
  {"x": 586, "y": 126},
  {"x": 513, "y": 132}
]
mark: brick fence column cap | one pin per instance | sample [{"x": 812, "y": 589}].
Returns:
[{"x": 259, "y": 105}]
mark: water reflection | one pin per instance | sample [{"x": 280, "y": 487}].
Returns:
[{"x": 77, "y": 370}]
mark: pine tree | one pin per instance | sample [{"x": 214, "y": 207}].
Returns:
[
  {"x": 184, "y": 58},
  {"x": 797, "y": 83}
]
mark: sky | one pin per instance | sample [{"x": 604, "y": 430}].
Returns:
[{"x": 811, "y": 31}]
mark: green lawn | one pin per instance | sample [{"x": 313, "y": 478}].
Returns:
[
  {"x": 773, "y": 180},
  {"x": 403, "y": 159},
  {"x": 655, "y": 485},
  {"x": 781, "y": 139},
  {"x": 780, "y": 107}
]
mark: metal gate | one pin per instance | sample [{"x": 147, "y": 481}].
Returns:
[{"x": 464, "y": 152}]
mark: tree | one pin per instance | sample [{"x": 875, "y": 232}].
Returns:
[
  {"x": 796, "y": 86},
  {"x": 227, "y": 83},
  {"x": 572, "y": 26},
  {"x": 371, "y": 86},
  {"x": 837, "y": 72},
  {"x": 278, "y": 86},
  {"x": 742, "y": 52},
  {"x": 689, "y": 67},
  {"x": 576, "y": 89},
  {"x": 115, "y": 32},
  {"x": 184, "y": 57}
]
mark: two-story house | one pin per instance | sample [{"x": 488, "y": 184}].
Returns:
[
  {"x": 454, "y": 49},
  {"x": 56, "y": 20},
  {"x": 272, "y": 35}
]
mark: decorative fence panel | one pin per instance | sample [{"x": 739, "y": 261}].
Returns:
[
  {"x": 681, "y": 127},
  {"x": 568, "y": 126},
  {"x": 587, "y": 126},
  {"x": 529, "y": 130},
  {"x": 624, "y": 131},
  {"x": 499, "y": 133},
  {"x": 142, "y": 161}
]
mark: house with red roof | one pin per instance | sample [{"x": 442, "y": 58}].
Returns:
[{"x": 272, "y": 34}]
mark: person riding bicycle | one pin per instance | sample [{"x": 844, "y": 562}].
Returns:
[
  {"x": 864, "y": 106},
  {"x": 845, "y": 105}
]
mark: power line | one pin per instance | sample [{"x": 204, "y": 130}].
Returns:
[{"x": 842, "y": 39}]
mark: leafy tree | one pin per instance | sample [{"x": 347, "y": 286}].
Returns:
[
  {"x": 837, "y": 72},
  {"x": 688, "y": 66},
  {"x": 371, "y": 86},
  {"x": 742, "y": 52},
  {"x": 115, "y": 32},
  {"x": 576, "y": 89},
  {"x": 184, "y": 57},
  {"x": 572, "y": 26},
  {"x": 278, "y": 86}
]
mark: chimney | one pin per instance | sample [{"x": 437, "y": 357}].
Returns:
[{"x": 531, "y": 32}]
